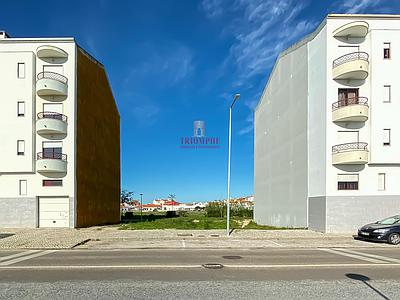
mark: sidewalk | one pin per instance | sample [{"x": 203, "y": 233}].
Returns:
[{"x": 109, "y": 237}]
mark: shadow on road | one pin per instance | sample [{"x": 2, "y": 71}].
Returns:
[
  {"x": 365, "y": 279},
  {"x": 5, "y": 235}
]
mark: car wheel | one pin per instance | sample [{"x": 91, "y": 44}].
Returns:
[{"x": 394, "y": 239}]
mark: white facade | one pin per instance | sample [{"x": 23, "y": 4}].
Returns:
[
  {"x": 326, "y": 128},
  {"x": 36, "y": 76}
]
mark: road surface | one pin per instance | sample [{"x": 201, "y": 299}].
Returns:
[{"x": 358, "y": 273}]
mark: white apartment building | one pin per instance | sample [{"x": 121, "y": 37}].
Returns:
[
  {"x": 327, "y": 130},
  {"x": 59, "y": 136}
]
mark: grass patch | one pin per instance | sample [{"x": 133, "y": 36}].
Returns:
[{"x": 197, "y": 221}]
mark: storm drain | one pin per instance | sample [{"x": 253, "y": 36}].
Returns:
[
  {"x": 213, "y": 266},
  {"x": 232, "y": 257}
]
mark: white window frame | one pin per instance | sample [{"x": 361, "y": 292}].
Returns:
[
  {"x": 21, "y": 109},
  {"x": 381, "y": 181},
  {"x": 387, "y": 45},
  {"x": 20, "y": 147},
  {"x": 387, "y": 92},
  {"x": 21, "y": 70},
  {"x": 23, "y": 187},
  {"x": 386, "y": 133}
]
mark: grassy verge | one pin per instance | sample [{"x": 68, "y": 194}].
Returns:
[{"x": 192, "y": 221}]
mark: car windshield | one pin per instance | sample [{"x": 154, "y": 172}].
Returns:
[{"x": 390, "y": 221}]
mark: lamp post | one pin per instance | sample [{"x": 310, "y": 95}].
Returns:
[
  {"x": 228, "y": 203},
  {"x": 141, "y": 206}
]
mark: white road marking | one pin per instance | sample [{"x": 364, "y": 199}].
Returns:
[
  {"x": 356, "y": 256},
  {"x": 19, "y": 259},
  {"x": 81, "y": 267},
  {"x": 183, "y": 244},
  {"x": 18, "y": 255},
  {"x": 389, "y": 259},
  {"x": 275, "y": 243}
]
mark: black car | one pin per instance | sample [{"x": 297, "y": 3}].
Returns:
[{"x": 387, "y": 230}]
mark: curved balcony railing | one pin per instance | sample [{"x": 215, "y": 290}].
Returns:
[
  {"x": 350, "y": 57},
  {"x": 52, "y": 115},
  {"x": 350, "y": 101},
  {"x": 51, "y": 155},
  {"x": 52, "y": 75},
  {"x": 349, "y": 147}
]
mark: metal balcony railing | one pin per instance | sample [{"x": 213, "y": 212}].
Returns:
[
  {"x": 349, "y": 147},
  {"x": 52, "y": 115},
  {"x": 350, "y": 101},
  {"x": 52, "y": 75},
  {"x": 350, "y": 57},
  {"x": 51, "y": 155}
]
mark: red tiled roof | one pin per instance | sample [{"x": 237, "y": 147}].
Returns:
[{"x": 151, "y": 205}]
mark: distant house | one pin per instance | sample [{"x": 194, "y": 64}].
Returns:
[{"x": 151, "y": 207}]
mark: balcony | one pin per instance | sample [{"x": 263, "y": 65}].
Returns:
[
  {"x": 51, "y": 163},
  {"x": 350, "y": 110},
  {"x": 352, "y": 66},
  {"x": 47, "y": 52},
  {"x": 51, "y": 123},
  {"x": 51, "y": 84},
  {"x": 350, "y": 154},
  {"x": 357, "y": 29}
]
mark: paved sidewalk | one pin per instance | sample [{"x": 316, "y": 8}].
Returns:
[{"x": 110, "y": 237}]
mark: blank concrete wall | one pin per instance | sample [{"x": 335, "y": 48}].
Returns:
[
  {"x": 280, "y": 157},
  {"x": 98, "y": 146}
]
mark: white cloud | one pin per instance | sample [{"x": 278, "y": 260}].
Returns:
[
  {"x": 261, "y": 29},
  {"x": 356, "y": 6}
]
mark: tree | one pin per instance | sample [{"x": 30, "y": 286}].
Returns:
[{"x": 126, "y": 196}]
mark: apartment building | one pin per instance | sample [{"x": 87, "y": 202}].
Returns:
[
  {"x": 59, "y": 136},
  {"x": 327, "y": 131}
]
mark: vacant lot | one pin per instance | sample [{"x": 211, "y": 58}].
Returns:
[{"x": 193, "y": 220}]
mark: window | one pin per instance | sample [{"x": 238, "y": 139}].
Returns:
[
  {"x": 347, "y": 181},
  {"x": 381, "y": 181},
  {"x": 52, "y": 182},
  {"x": 20, "y": 147},
  {"x": 386, "y": 50},
  {"x": 387, "y": 93},
  {"x": 22, "y": 187},
  {"x": 21, "y": 109},
  {"x": 21, "y": 70},
  {"x": 386, "y": 137}
]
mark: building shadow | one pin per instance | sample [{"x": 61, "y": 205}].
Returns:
[
  {"x": 364, "y": 279},
  {"x": 5, "y": 235}
]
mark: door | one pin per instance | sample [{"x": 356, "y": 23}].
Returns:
[
  {"x": 55, "y": 69},
  {"x": 347, "y": 97},
  {"x": 52, "y": 150},
  {"x": 53, "y": 212},
  {"x": 53, "y": 107},
  {"x": 345, "y": 137}
]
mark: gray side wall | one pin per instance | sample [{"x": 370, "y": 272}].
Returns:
[
  {"x": 347, "y": 213},
  {"x": 18, "y": 212},
  {"x": 317, "y": 213},
  {"x": 280, "y": 150}
]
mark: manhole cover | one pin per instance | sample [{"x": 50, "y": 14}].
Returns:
[
  {"x": 185, "y": 234},
  {"x": 213, "y": 266},
  {"x": 232, "y": 257}
]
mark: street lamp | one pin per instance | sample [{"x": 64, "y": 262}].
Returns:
[
  {"x": 228, "y": 204},
  {"x": 141, "y": 206}
]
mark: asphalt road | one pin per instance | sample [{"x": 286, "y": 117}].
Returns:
[{"x": 372, "y": 273}]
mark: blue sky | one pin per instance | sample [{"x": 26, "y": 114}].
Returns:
[{"x": 171, "y": 62}]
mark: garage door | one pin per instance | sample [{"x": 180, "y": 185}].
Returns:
[{"x": 53, "y": 212}]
